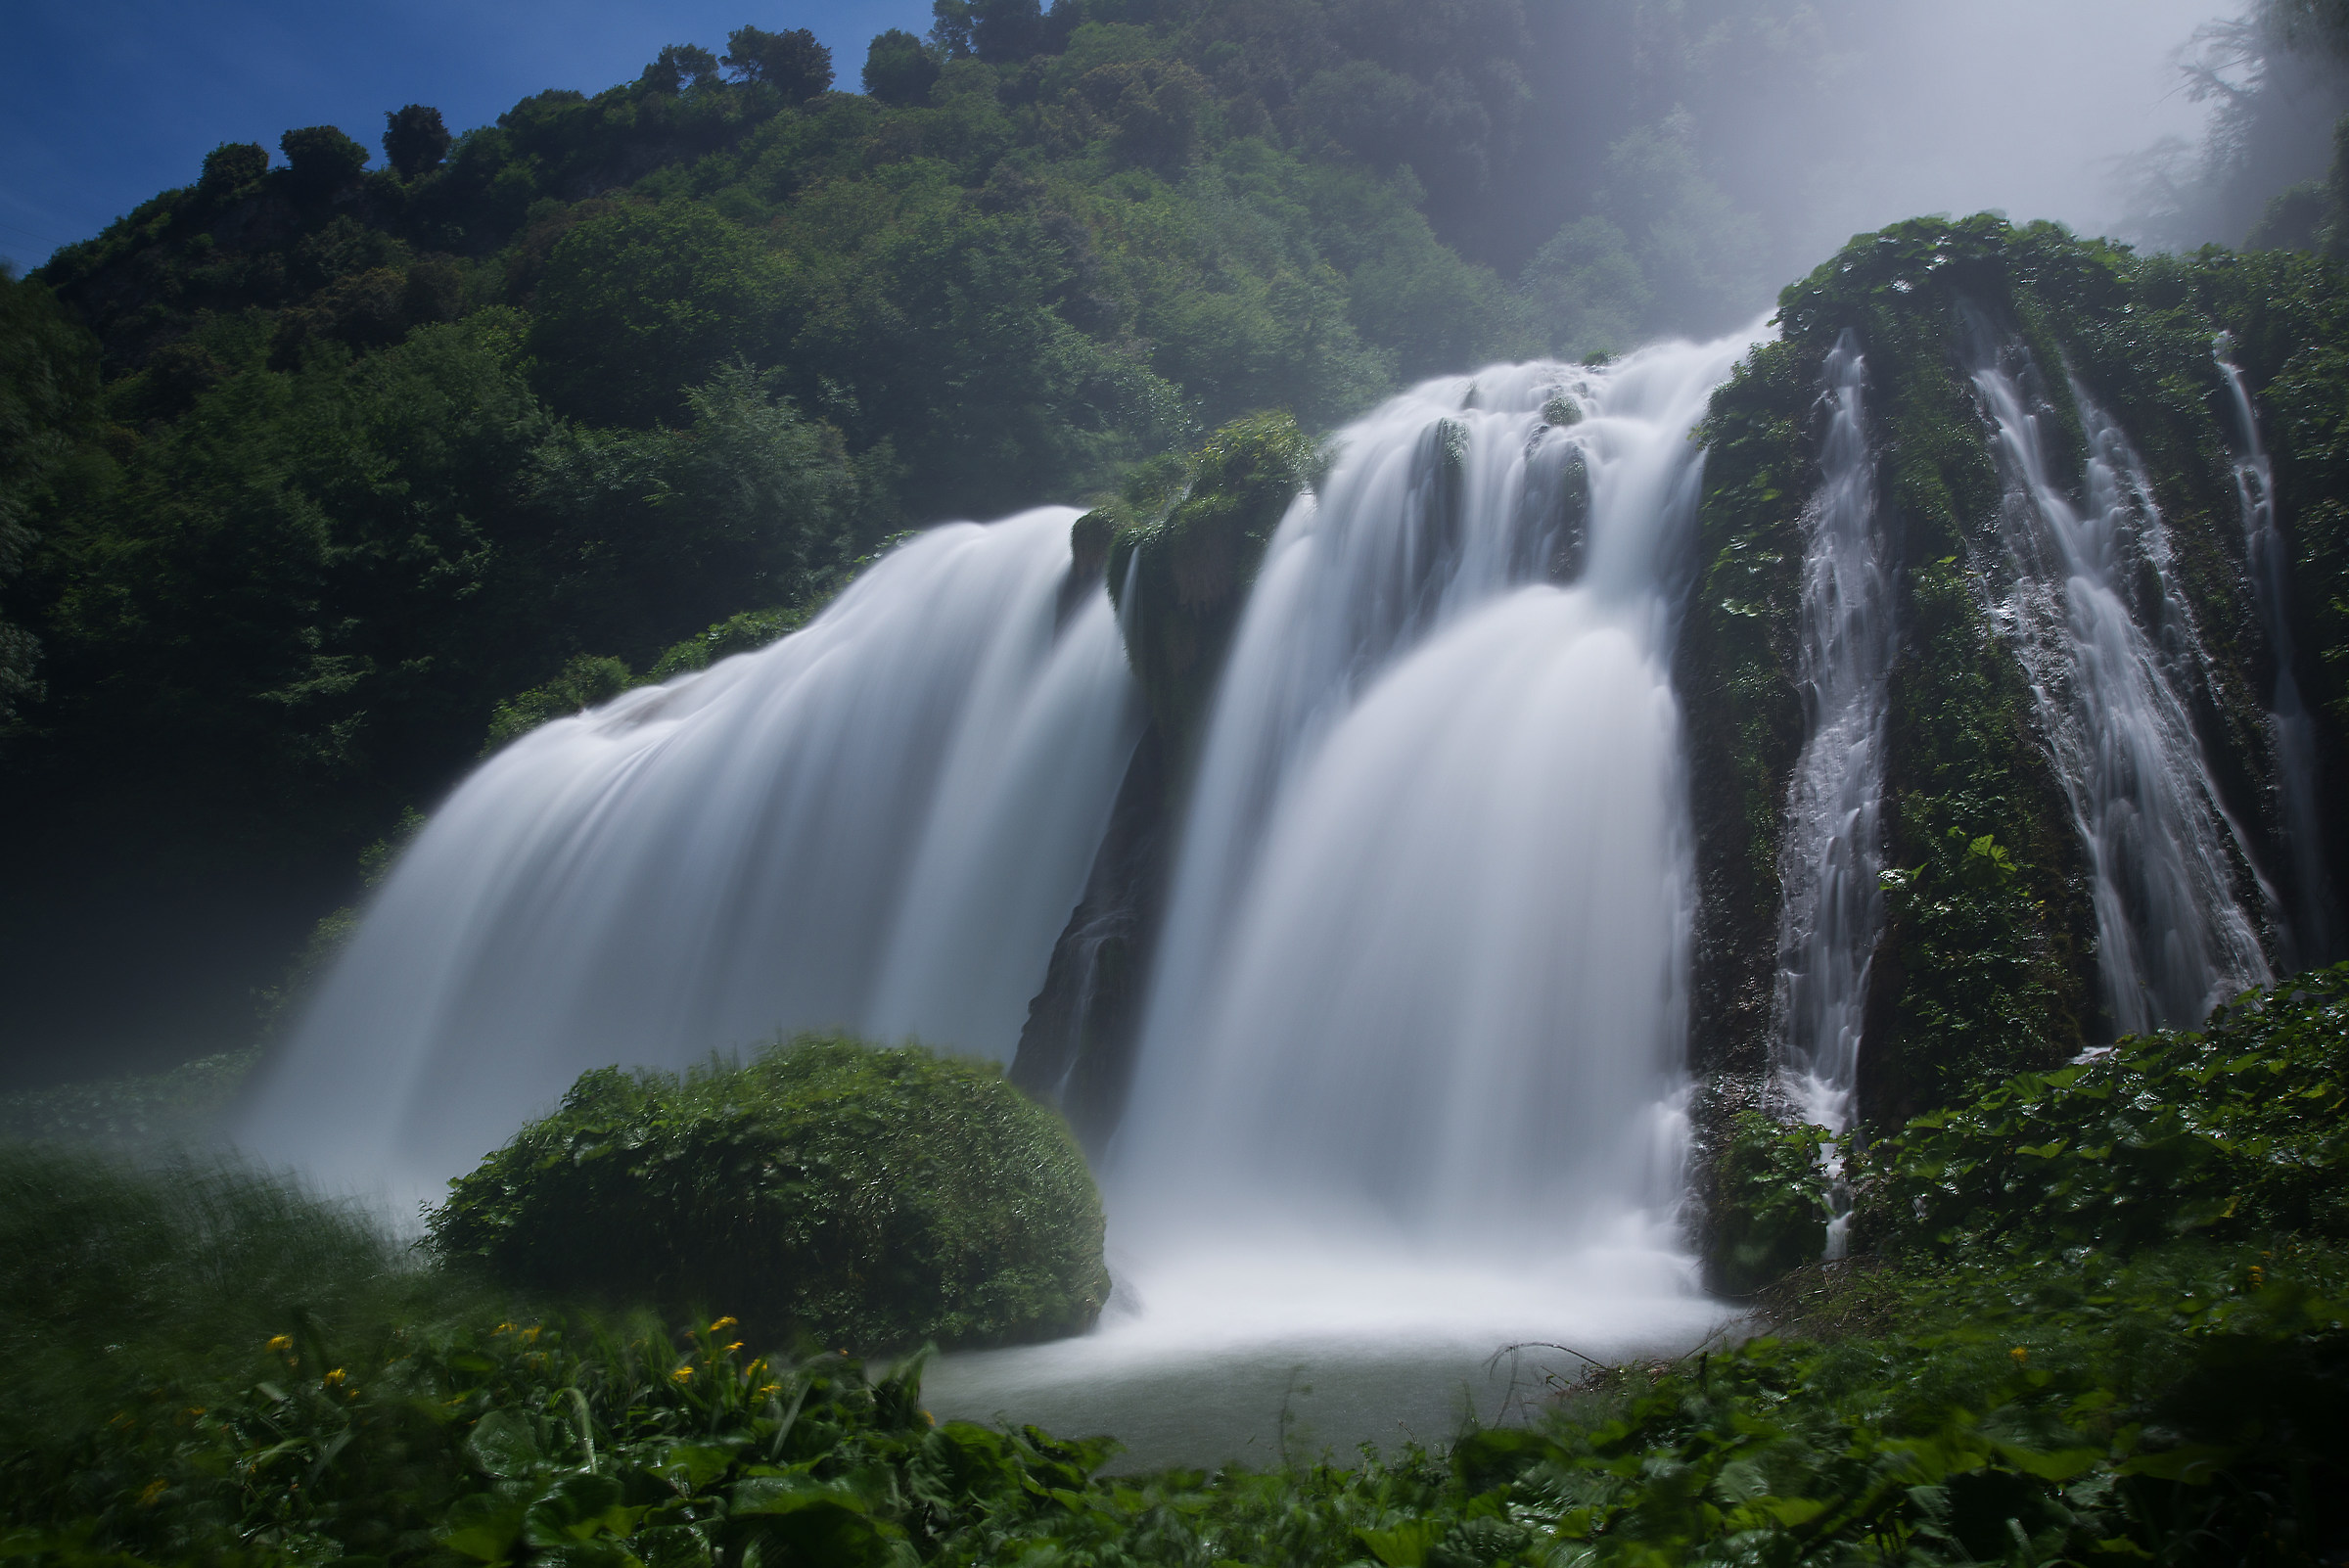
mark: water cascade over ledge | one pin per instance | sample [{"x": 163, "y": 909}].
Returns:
[
  {"x": 1424, "y": 965},
  {"x": 876, "y": 824}
]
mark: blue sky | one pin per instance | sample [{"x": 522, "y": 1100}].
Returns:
[{"x": 103, "y": 103}]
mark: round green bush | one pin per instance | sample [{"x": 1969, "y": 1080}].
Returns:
[{"x": 865, "y": 1197}]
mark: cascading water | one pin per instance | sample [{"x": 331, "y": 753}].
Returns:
[
  {"x": 2172, "y": 934},
  {"x": 2316, "y": 922},
  {"x": 1409, "y": 1076},
  {"x": 1832, "y": 908},
  {"x": 1424, "y": 962},
  {"x": 878, "y": 823}
]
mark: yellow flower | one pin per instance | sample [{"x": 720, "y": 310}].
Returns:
[
  {"x": 529, "y": 1335},
  {"x": 2020, "y": 1355},
  {"x": 731, "y": 1349},
  {"x": 154, "y": 1493},
  {"x": 769, "y": 1390},
  {"x": 503, "y": 1328},
  {"x": 929, "y": 1420},
  {"x": 684, "y": 1375},
  {"x": 721, "y": 1325},
  {"x": 2259, "y": 1277},
  {"x": 283, "y": 1342},
  {"x": 334, "y": 1380}
]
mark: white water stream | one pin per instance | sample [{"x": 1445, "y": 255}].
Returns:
[
  {"x": 1411, "y": 1080},
  {"x": 2173, "y": 937},
  {"x": 2315, "y": 921},
  {"x": 1832, "y": 908},
  {"x": 1411, "y": 1073},
  {"x": 1423, "y": 971},
  {"x": 879, "y": 824}
]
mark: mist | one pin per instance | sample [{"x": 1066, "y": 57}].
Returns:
[{"x": 1686, "y": 161}]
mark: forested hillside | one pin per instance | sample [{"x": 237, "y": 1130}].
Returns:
[
  {"x": 348, "y": 458},
  {"x": 324, "y": 456}
]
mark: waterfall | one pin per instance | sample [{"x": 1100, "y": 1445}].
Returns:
[
  {"x": 1423, "y": 967},
  {"x": 1832, "y": 908},
  {"x": 878, "y": 823},
  {"x": 2172, "y": 937},
  {"x": 2316, "y": 922}
]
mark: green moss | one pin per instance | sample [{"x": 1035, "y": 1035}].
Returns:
[
  {"x": 1182, "y": 552},
  {"x": 1974, "y": 978},
  {"x": 868, "y": 1197},
  {"x": 1737, "y": 668}
]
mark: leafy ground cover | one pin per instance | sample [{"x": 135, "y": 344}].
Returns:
[{"x": 199, "y": 1365}]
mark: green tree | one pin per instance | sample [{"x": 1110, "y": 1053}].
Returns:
[
  {"x": 640, "y": 304},
  {"x": 414, "y": 140},
  {"x": 658, "y": 532},
  {"x": 678, "y": 67},
  {"x": 48, "y": 385},
  {"x": 320, "y": 160},
  {"x": 898, "y": 70},
  {"x": 792, "y": 63},
  {"x": 233, "y": 166}
]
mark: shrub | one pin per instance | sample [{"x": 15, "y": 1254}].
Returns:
[
  {"x": 1769, "y": 1207},
  {"x": 867, "y": 1196},
  {"x": 584, "y": 681},
  {"x": 2232, "y": 1132}
]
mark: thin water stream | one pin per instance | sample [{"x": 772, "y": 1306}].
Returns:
[
  {"x": 2316, "y": 920},
  {"x": 2173, "y": 936},
  {"x": 1833, "y": 907}
]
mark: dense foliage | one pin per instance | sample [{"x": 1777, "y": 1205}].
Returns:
[
  {"x": 2233, "y": 1132},
  {"x": 344, "y": 455},
  {"x": 200, "y": 1366},
  {"x": 867, "y": 1197}
]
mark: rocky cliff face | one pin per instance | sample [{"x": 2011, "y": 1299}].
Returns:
[
  {"x": 1179, "y": 550},
  {"x": 1995, "y": 952}
]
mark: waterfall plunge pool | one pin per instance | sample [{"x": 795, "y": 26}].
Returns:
[{"x": 1203, "y": 1351}]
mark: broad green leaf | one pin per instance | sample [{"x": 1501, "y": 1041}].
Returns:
[
  {"x": 503, "y": 1444},
  {"x": 485, "y": 1526},
  {"x": 1406, "y": 1545}
]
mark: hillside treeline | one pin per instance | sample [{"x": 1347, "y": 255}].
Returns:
[{"x": 313, "y": 461}]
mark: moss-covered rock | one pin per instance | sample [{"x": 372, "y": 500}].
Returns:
[
  {"x": 1984, "y": 977},
  {"x": 1182, "y": 548},
  {"x": 868, "y": 1197}
]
